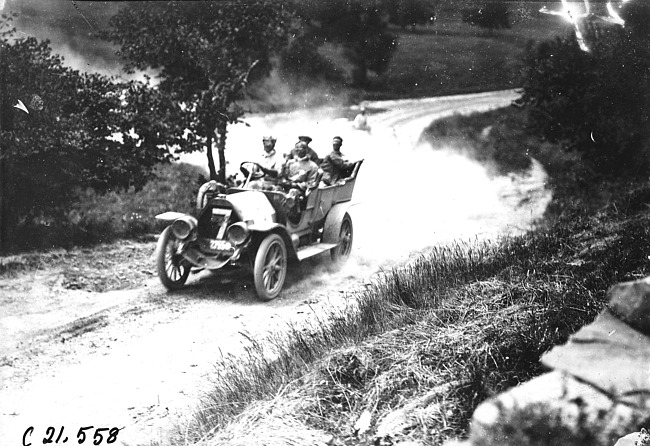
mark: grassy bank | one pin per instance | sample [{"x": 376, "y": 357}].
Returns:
[{"x": 432, "y": 339}]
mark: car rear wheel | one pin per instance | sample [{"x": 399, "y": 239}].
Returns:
[
  {"x": 344, "y": 247},
  {"x": 270, "y": 267},
  {"x": 173, "y": 269}
]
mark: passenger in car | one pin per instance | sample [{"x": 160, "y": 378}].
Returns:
[
  {"x": 335, "y": 166},
  {"x": 301, "y": 175},
  {"x": 312, "y": 153}
]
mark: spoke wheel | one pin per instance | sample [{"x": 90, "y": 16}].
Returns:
[
  {"x": 346, "y": 235},
  {"x": 173, "y": 269},
  {"x": 270, "y": 267}
]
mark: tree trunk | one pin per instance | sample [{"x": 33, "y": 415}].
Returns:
[
  {"x": 221, "y": 148},
  {"x": 213, "y": 171},
  {"x": 4, "y": 209}
]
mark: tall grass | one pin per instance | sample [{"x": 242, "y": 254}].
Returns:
[{"x": 384, "y": 305}]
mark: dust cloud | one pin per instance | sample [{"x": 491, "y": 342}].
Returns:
[
  {"x": 408, "y": 196},
  {"x": 71, "y": 27}
]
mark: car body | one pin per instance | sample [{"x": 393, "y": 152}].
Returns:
[{"x": 241, "y": 227}]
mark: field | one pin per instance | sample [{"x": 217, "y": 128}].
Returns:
[{"x": 449, "y": 56}]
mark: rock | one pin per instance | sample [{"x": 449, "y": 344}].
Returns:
[
  {"x": 631, "y": 302},
  {"x": 633, "y": 439},
  {"x": 567, "y": 405},
  {"x": 610, "y": 355}
]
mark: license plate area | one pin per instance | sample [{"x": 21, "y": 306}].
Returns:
[{"x": 217, "y": 246}]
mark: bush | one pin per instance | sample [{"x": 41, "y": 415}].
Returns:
[
  {"x": 100, "y": 218},
  {"x": 595, "y": 102}
]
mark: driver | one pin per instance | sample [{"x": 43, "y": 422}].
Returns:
[{"x": 270, "y": 163}]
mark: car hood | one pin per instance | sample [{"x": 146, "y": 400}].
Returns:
[{"x": 253, "y": 206}]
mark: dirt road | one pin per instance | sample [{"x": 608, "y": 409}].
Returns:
[{"x": 138, "y": 359}]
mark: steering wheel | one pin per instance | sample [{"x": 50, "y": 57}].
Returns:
[{"x": 252, "y": 170}]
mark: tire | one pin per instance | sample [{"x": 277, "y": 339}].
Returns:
[
  {"x": 173, "y": 270},
  {"x": 270, "y": 269},
  {"x": 346, "y": 235}
]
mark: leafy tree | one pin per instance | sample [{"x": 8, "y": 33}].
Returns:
[
  {"x": 360, "y": 27},
  {"x": 301, "y": 59},
  {"x": 493, "y": 15},
  {"x": 204, "y": 54},
  {"x": 595, "y": 102},
  {"x": 63, "y": 140}
]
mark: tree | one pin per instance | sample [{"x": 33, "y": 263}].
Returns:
[
  {"x": 204, "y": 54},
  {"x": 63, "y": 139},
  {"x": 595, "y": 102},
  {"x": 360, "y": 27}
]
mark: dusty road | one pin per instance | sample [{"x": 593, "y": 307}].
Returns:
[{"x": 139, "y": 359}]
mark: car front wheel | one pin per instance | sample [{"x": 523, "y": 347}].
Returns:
[
  {"x": 270, "y": 267},
  {"x": 172, "y": 268}
]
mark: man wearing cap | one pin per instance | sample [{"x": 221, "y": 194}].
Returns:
[
  {"x": 334, "y": 165},
  {"x": 270, "y": 163},
  {"x": 312, "y": 153}
]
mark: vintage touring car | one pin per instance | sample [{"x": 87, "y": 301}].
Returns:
[{"x": 241, "y": 227}]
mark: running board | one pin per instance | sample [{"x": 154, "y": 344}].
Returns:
[{"x": 305, "y": 252}]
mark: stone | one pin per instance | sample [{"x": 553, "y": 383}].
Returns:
[
  {"x": 610, "y": 355},
  {"x": 633, "y": 439},
  {"x": 631, "y": 302},
  {"x": 564, "y": 402}
]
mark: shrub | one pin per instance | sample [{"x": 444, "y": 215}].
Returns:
[{"x": 100, "y": 218}]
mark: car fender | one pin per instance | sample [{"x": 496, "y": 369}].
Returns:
[
  {"x": 262, "y": 229},
  {"x": 170, "y": 216},
  {"x": 333, "y": 222}
]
